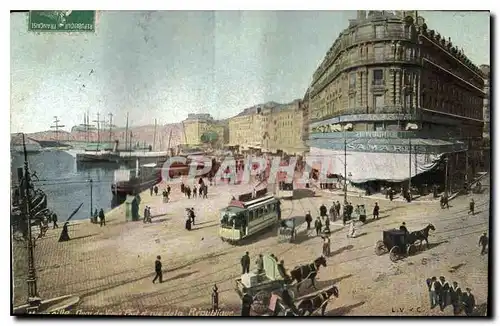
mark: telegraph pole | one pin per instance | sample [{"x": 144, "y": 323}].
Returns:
[
  {"x": 33, "y": 298},
  {"x": 56, "y": 126}
]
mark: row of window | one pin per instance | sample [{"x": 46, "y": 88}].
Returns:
[{"x": 261, "y": 211}]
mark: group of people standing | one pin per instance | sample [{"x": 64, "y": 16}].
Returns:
[
  {"x": 99, "y": 215},
  {"x": 442, "y": 294},
  {"x": 201, "y": 191}
]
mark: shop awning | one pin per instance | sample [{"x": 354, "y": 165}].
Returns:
[{"x": 367, "y": 166}]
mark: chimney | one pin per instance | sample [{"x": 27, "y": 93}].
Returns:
[{"x": 361, "y": 14}]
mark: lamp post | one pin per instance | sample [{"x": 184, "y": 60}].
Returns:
[
  {"x": 410, "y": 126},
  {"x": 33, "y": 298},
  {"x": 90, "y": 181},
  {"x": 446, "y": 178},
  {"x": 346, "y": 128}
]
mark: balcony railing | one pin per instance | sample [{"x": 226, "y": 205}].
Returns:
[{"x": 360, "y": 62}]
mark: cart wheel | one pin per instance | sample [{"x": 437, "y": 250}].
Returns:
[
  {"x": 260, "y": 303},
  {"x": 380, "y": 248},
  {"x": 394, "y": 254},
  {"x": 293, "y": 292},
  {"x": 411, "y": 250}
]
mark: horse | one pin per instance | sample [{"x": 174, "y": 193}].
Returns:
[
  {"x": 304, "y": 272},
  {"x": 320, "y": 300},
  {"x": 421, "y": 235}
]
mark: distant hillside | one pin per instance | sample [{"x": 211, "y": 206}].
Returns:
[{"x": 141, "y": 134}]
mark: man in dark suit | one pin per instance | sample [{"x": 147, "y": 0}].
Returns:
[
  {"x": 455, "y": 298},
  {"x": 469, "y": 302},
  {"x": 158, "y": 271}
]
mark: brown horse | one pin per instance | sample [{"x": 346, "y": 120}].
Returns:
[
  {"x": 310, "y": 271},
  {"x": 320, "y": 300}
]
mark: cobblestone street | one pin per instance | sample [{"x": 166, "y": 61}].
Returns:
[{"x": 111, "y": 268}]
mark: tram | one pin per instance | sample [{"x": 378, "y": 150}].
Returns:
[{"x": 242, "y": 219}]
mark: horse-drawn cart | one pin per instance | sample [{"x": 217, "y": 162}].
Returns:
[
  {"x": 286, "y": 230},
  {"x": 261, "y": 286},
  {"x": 396, "y": 243}
]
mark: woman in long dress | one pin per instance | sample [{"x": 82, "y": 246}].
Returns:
[{"x": 64, "y": 234}]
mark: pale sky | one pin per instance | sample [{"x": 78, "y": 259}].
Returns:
[{"x": 165, "y": 64}]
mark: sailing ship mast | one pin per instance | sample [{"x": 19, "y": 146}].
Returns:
[
  {"x": 126, "y": 134},
  {"x": 154, "y": 138}
]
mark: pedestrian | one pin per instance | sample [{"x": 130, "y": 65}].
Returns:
[
  {"x": 188, "y": 224},
  {"x": 54, "y": 220},
  {"x": 156, "y": 190},
  {"x": 260, "y": 264},
  {"x": 455, "y": 298},
  {"x": 205, "y": 192},
  {"x": 352, "y": 229},
  {"x": 308, "y": 220},
  {"x": 469, "y": 302},
  {"x": 326, "y": 246},
  {"x": 391, "y": 194},
  {"x": 246, "y": 304},
  {"x": 183, "y": 188},
  {"x": 64, "y": 234},
  {"x": 195, "y": 191},
  {"x": 150, "y": 191},
  {"x": 145, "y": 217},
  {"x": 158, "y": 271},
  {"x": 95, "y": 216},
  {"x": 443, "y": 292},
  {"x": 434, "y": 287},
  {"x": 332, "y": 212},
  {"x": 322, "y": 210},
  {"x": 483, "y": 242},
  {"x": 168, "y": 190},
  {"x": 245, "y": 263},
  {"x": 200, "y": 190},
  {"x": 337, "y": 207},
  {"x": 188, "y": 192},
  {"x": 191, "y": 214},
  {"x": 471, "y": 206},
  {"x": 102, "y": 218},
  {"x": 376, "y": 210},
  {"x": 318, "y": 225}
]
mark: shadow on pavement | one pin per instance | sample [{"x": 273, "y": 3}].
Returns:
[
  {"x": 423, "y": 247},
  {"x": 341, "y": 250},
  {"x": 83, "y": 237},
  {"x": 343, "y": 310},
  {"x": 303, "y": 193}
]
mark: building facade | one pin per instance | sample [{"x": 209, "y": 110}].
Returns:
[
  {"x": 198, "y": 127},
  {"x": 270, "y": 128},
  {"x": 401, "y": 98},
  {"x": 486, "y": 103}
]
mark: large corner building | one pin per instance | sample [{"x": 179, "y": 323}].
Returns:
[{"x": 400, "y": 97}]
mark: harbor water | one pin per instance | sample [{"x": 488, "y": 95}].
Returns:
[{"x": 66, "y": 183}]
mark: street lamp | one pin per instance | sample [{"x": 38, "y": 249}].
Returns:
[
  {"x": 90, "y": 181},
  {"x": 33, "y": 298},
  {"x": 410, "y": 126},
  {"x": 345, "y": 128}
]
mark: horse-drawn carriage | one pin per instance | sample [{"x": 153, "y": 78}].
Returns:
[
  {"x": 274, "y": 280},
  {"x": 402, "y": 244},
  {"x": 286, "y": 230}
]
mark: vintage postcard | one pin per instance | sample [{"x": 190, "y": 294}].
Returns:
[{"x": 250, "y": 163}]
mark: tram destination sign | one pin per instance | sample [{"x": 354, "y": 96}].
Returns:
[{"x": 61, "y": 21}]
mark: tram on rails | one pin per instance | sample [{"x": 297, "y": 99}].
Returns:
[{"x": 244, "y": 218}]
